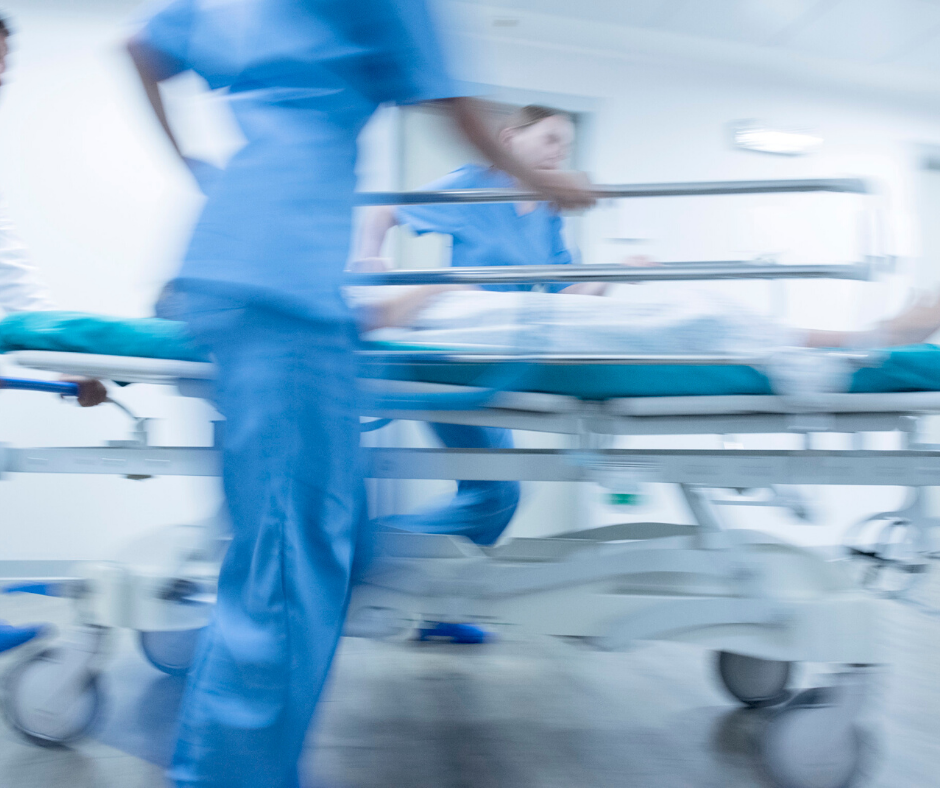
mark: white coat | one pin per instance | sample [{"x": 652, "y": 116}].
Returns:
[{"x": 21, "y": 288}]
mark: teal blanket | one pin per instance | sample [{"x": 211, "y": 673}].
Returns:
[
  {"x": 913, "y": 368},
  {"x": 910, "y": 368},
  {"x": 78, "y": 332}
]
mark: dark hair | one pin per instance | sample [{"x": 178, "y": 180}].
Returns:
[
  {"x": 531, "y": 114},
  {"x": 4, "y": 26}
]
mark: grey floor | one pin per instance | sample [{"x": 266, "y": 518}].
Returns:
[{"x": 518, "y": 714}]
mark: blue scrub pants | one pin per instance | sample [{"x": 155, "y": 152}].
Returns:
[
  {"x": 480, "y": 510},
  {"x": 291, "y": 472}
]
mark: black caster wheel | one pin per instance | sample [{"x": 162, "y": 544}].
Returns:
[
  {"x": 754, "y": 682},
  {"x": 809, "y": 744},
  {"x": 46, "y": 706},
  {"x": 171, "y": 652}
]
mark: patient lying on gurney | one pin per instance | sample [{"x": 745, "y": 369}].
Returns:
[{"x": 653, "y": 319}]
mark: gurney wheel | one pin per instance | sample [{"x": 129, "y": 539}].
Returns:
[
  {"x": 71, "y": 711},
  {"x": 755, "y": 682},
  {"x": 809, "y": 745},
  {"x": 171, "y": 652}
]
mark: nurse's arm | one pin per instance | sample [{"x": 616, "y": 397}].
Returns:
[
  {"x": 376, "y": 222},
  {"x": 154, "y": 67},
  {"x": 567, "y": 190}
]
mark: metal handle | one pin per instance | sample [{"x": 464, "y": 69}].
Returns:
[
  {"x": 390, "y": 357},
  {"x": 625, "y": 191},
  {"x": 856, "y": 359},
  {"x": 570, "y": 274},
  {"x": 54, "y": 387}
]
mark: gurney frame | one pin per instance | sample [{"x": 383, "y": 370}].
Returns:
[{"x": 759, "y": 603}]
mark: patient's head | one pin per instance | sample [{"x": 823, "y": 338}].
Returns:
[
  {"x": 4, "y": 36},
  {"x": 541, "y": 137}
]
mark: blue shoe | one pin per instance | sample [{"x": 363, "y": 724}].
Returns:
[
  {"x": 11, "y": 637},
  {"x": 454, "y": 633}
]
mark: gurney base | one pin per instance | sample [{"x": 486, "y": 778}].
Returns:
[
  {"x": 762, "y": 604},
  {"x": 760, "y": 598}
]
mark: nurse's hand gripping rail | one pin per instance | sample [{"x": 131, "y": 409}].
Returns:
[{"x": 760, "y": 603}]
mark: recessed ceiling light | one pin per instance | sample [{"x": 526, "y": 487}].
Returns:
[{"x": 754, "y": 136}]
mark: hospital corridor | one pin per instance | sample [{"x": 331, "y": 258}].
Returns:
[{"x": 469, "y": 394}]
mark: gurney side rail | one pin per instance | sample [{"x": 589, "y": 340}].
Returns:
[
  {"x": 622, "y": 191},
  {"x": 705, "y": 468}
]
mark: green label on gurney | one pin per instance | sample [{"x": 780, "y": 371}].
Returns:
[{"x": 625, "y": 498}]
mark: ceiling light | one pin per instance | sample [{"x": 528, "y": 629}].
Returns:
[{"x": 754, "y": 136}]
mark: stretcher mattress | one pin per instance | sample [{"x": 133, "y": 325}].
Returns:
[
  {"x": 904, "y": 369},
  {"x": 907, "y": 369},
  {"x": 79, "y": 332}
]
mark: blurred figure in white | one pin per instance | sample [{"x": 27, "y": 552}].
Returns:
[{"x": 21, "y": 289}]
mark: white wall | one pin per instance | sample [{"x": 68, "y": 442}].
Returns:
[{"x": 106, "y": 211}]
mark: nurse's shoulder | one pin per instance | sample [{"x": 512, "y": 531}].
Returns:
[{"x": 468, "y": 176}]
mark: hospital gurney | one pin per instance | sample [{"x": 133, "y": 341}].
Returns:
[{"x": 761, "y": 604}]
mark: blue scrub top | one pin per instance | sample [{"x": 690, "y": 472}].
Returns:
[
  {"x": 491, "y": 233},
  {"x": 303, "y": 77}
]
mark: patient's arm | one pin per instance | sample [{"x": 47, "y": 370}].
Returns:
[
  {"x": 601, "y": 288},
  {"x": 586, "y": 288},
  {"x": 915, "y": 324},
  {"x": 400, "y": 311}
]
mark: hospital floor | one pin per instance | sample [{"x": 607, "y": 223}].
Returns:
[{"x": 516, "y": 714}]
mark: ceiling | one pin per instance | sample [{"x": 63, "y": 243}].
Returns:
[{"x": 886, "y": 39}]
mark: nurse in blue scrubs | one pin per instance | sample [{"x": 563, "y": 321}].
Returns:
[
  {"x": 493, "y": 234},
  {"x": 261, "y": 286},
  {"x": 490, "y": 234}
]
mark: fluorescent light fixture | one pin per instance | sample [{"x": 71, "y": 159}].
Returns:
[{"x": 754, "y": 136}]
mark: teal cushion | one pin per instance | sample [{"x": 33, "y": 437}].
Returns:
[
  {"x": 912, "y": 368},
  {"x": 77, "y": 332}
]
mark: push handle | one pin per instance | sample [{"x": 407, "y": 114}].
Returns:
[
  {"x": 572, "y": 274},
  {"x": 62, "y": 387},
  {"x": 625, "y": 191}
]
